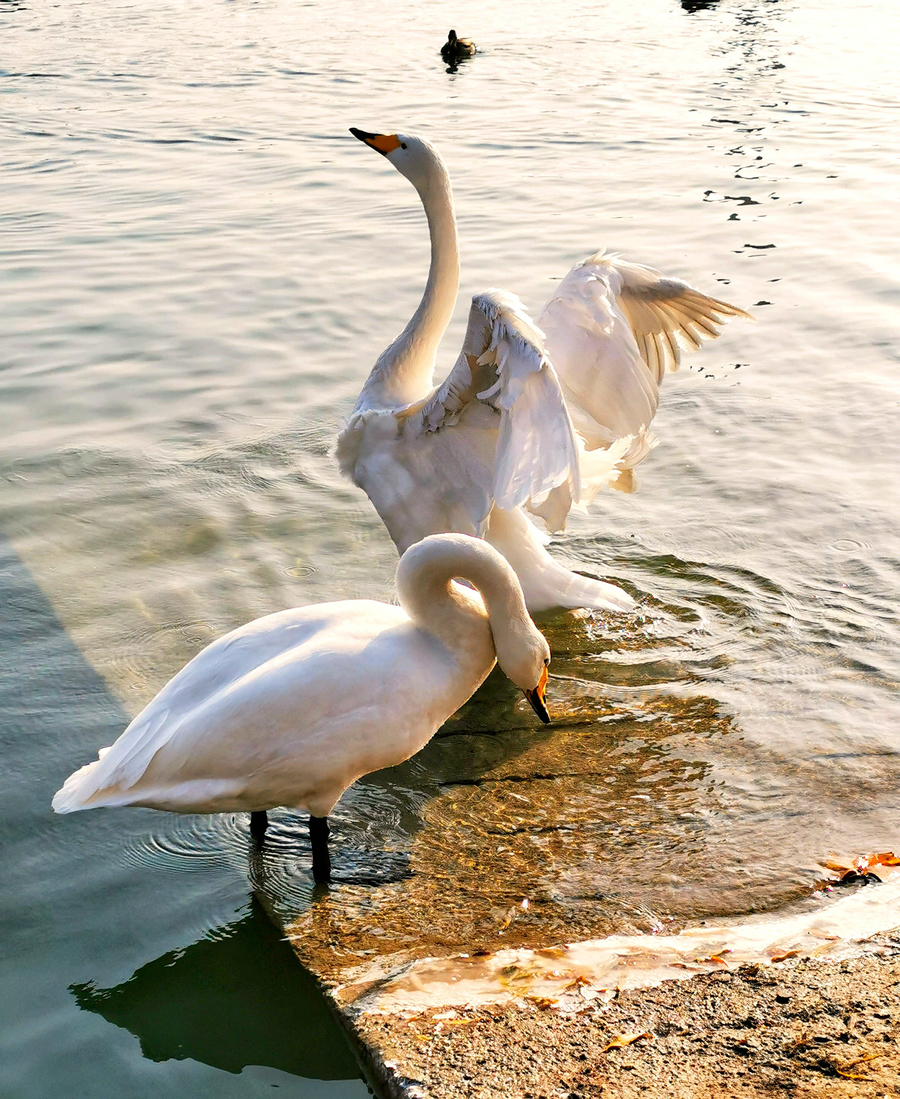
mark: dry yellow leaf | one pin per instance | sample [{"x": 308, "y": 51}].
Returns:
[
  {"x": 848, "y": 1075},
  {"x": 850, "y": 869},
  {"x": 622, "y": 1040},
  {"x": 785, "y": 955}
]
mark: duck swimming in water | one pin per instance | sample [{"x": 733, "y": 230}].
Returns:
[{"x": 454, "y": 49}]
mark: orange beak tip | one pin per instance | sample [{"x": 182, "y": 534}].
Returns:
[{"x": 381, "y": 143}]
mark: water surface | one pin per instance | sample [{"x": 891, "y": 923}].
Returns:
[{"x": 200, "y": 265}]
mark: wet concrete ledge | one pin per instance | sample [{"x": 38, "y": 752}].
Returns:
[
  {"x": 802, "y": 1028},
  {"x": 801, "y": 1005},
  {"x": 496, "y": 897}
]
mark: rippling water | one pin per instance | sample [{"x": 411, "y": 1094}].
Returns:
[{"x": 199, "y": 267}]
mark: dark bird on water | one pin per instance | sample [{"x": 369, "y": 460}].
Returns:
[{"x": 455, "y": 48}]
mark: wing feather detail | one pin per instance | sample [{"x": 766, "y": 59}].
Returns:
[
  {"x": 665, "y": 312},
  {"x": 504, "y": 365},
  {"x": 613, "y": 330}
]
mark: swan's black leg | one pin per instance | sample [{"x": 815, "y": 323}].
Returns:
[
  {"x": 259, "y": 822},
  {"x": 321, "y": 860}
]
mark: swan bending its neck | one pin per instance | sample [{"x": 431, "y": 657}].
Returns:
[
  {"x": 404, "y": 371},
  {"x": 449, "y": 611},
  {"x": 294, "y": 707}
]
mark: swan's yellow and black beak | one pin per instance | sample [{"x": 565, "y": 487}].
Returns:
[
  {"x": 536, "y": 697},
  {"x": 381, "y": 143}
]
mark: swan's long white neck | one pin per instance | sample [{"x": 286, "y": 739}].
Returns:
[
  {"x": 404, "y": 371},
  {"x": 454, "y": 614}
]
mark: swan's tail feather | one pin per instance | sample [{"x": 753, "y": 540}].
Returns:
[
  {"x": 612, "y": 465},
  {"x": 206, "y": 795},
  {"x": 80, "y": 789},
  {"x": 118, "y": 768}
]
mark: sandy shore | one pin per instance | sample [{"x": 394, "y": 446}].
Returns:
[{"x": 802, "y": 1027}]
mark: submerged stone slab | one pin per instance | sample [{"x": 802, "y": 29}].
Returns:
[
  {"x": 519, "y": 880},
  {"x": 780, "y": 1005},
  {"x": 522, "y": 836},
  {"x": 568, "y": 976}
]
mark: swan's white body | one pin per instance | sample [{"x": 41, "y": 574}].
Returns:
[
  {"x": 292, "y": 708},
  {"x": 527, "y": 419}
]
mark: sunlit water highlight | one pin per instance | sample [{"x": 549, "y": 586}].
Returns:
[{"x": 199, "y": 267}]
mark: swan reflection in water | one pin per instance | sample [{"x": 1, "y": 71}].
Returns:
[{"x": 235, "y": 998}]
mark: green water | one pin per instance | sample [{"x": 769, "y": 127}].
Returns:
[
  {"x": 204, "y": 995},
  {"x": 200, "y": 264}
]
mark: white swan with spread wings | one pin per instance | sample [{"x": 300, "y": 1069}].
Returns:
[{"x": 530, "y": 418}]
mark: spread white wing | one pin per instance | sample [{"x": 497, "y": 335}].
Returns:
[
  {"x": 612, "y": 330},
  {"x": 503, "y": 364},
  {"x": 496, "y": 432}
]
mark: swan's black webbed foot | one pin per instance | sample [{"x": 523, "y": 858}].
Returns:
[
  {"x": 321, "y": 860},
  {"x": 259, "y": 822}
]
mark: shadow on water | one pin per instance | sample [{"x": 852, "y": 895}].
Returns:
[
  {"x": 235, "y": 998},
  {"x": 53, "y": 702}
]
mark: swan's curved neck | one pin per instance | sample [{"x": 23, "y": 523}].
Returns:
[
  {"x": 404, "y": 371},
  {"x": 449, "y": 611}
]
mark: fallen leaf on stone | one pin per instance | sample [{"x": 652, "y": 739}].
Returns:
[
  {"x": 847, "y": 1074},
  {"x": 802, "y": 1042},
  {"x": 860, "y": 867},
  {"x": 622, "y": 1040},
  {"x": 518, "y": 973},
  {"x": 820, "y": 933},
  {"x": 787, "y": 954},
  {"x": 552, "y": 952},
  {"x": 717, "y": 958},
  {"x": 589, "y": 993}
]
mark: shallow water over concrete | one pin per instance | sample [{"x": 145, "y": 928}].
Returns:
[{"x": 567, "y": 976}]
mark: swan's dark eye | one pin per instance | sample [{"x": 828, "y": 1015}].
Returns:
[
  {"x": 403, "y": 145},
  {"x": 547, "y": 662}
]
